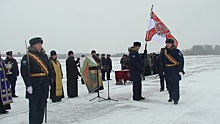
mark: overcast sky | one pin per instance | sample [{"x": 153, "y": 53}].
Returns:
[{"x": 109, "y": 26}]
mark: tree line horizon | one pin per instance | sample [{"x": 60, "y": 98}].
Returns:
[{"x": 194, "y": 50}]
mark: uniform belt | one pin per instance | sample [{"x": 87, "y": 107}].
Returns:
[
  {"x": 171, "y": 65},
  {"x": 38, "y": 75}
]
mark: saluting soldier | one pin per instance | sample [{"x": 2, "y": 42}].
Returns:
[
  {"x": 13, "y": 71},
  {"x": 56, "y": 91},
  {"x": 5, "y": 91},
  {"x": 35, "y": 71},
  {"x": 172, "y": 62}
]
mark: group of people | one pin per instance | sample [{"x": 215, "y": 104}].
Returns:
[
  {"x": 43, "y": 78},
  {"x": 170, "y": 67},
  {"x": 8, "y": 76},
  {"x": 105, "y": 63},
  {"x": 42, "y": 75}
]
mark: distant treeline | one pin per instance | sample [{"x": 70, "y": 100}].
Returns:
[
  {"x": 195, "y": 50},
  {"x": 202, "y": 50}
]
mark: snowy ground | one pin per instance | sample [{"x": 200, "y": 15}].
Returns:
[{"x": 199, "y": 103}]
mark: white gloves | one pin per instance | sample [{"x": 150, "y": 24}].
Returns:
[
  {"x": 49, "y": 87},
  {"x": 181, "y": 73},
  {"x": 30, "y": 89}
]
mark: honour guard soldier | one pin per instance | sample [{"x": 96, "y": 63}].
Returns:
[
  {"x": 5, "y": 91},
  {"x": 56, "y": 91},
  {"x": 35, "y": 71},
  {"x": 13, "y": 71},
  {"x": 172, "y": 62},
  {"x": 136, "y": 70}
]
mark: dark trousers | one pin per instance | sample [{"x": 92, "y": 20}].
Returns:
[
  {"x": 103, "y": 75},
  {"x": 137, "y": 86},
  {"x": 147, "y": 71},
  {"x": 108, "y": 75},
  {"x": 155, "y": 69},
  {"x": 72, "y": 87},
  {"x": 173, "y": 89},
  {"x": 162, "y": 78},
  {"x": 36, "y": 111},
  {"x": 162, "y": 82},
  {"x": 12, "y": 80}
]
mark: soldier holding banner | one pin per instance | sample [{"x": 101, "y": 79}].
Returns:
[
  {"x": 5, "y": 91},
  {"x": 35, "y": 71}
]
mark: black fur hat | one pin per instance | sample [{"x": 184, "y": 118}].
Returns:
[
  {"x": 170, "y": 41},
  {"x": 70, "y": 52},
  {"x": 53, "y": 52},
  {"x": 35, "y": 40},
  {"x": 137, "y": 44},
  {"x": 9, "y": 53},
  {"x": 93, "y": 51}
]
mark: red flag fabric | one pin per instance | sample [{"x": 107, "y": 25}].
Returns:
[{"x": 158, "y": 31}]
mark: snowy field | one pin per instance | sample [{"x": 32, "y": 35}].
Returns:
[{"x": 199, "y": 101}]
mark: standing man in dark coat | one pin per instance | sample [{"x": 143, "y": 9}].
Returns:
[
  {"x": 109, "y": 64},
  {"x": 155, "y": 64},
  {"x": 72, "y": 75},
  {"x": 12, "y": 76},
  {"x": 35, "y": 71},
  {"x": 104, "y": 64},
  {"x": 173, "y": 64},
  {"x": 136, "y": 70},
  {"x": 56, "y": 91},
  {"x": 160, "y": 71},
  {"x": 5, "y": 92}
]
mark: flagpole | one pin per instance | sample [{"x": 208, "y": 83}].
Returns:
[{"x": 145, "y": 49}]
